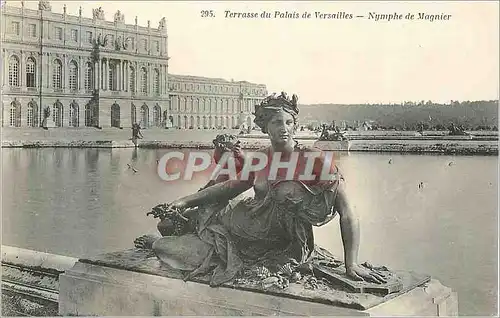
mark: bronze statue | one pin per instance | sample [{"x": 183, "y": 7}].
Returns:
[{"x": 268, "y": 238}]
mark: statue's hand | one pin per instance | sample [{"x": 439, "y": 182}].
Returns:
[
  {"x": 357, "y": 272},
  {"x": 178, "y": 204}
]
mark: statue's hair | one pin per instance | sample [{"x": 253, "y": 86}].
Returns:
[{"x": 273, "y": 104}]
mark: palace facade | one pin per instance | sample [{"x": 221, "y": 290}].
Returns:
[{"x": 63, "y": 70}]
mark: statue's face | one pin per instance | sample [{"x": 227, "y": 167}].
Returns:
[{"x": 281, "y": 128}]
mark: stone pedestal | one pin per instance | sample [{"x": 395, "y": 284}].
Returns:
[
  {"x": 131, "y": 283},
  {"x": 50, "y": 123}
]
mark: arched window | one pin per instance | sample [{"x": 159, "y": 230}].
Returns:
[
  {"x": 74, "y": 112},
  {"x": 144, "y": 80},
  {"x": 156, "y": 83},
  {"x": 15, "y": 114},
  {"x": 57, "y": 74},
  {"x": 30, "y": 72},
  {"x": 157, "y": 116},
  {"x": 133, "y": 113},
  {"x": 32, "y": 116},
  {"x": 57, "y": 113},
  {"x": 132, "y": 79},
  {"x": 73, "y": 76},
  {"x": 14, "y": 71},
  {"x": 144, "y": 116},
  {"x": 112, "y": 78},
  {"x": 115, "y": 115},
  {"x": 90, "y": 116},
  {"x": 89, "y": 77}
]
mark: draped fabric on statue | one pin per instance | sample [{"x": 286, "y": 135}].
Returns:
[{"x": 271, "y": 229}]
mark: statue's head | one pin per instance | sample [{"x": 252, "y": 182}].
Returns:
[{"x": 277, "y": 116}]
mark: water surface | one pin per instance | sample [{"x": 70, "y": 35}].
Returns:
[{"x": 79, "y": 202}]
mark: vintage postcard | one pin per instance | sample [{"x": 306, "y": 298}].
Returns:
[{"x": 201, "y": 158}]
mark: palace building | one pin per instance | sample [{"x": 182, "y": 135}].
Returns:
[{"x": 63, "y": 70}]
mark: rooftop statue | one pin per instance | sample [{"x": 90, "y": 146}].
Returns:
[
  {"x": 44, "y": 5},
  {"x": 98, "y": 13},
  {"x": 265, "y": 241},
  {"x": 163, "y": 24},
  {"x": 119, "y": 17}
]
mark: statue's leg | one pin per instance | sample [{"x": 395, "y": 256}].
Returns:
[{"x": 187, "y": 252}]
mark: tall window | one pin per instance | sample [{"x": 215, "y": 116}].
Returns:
[
  {"x": 89, "y": 77},
  {"x": 30, "y": 117},
  {"x": 73, "y": 76},
  {"x": 88, "y": 37},
  {"x": 115, "y": 115},
  {"x": 156, "y": 83},
  {"x": 30, "y": 72},
  {"x": 13, "y": 71},
  {"x": 57, "y": 74},
  {"x": 132, "y": 79},
  {"x": 32, "y": 30},
  {"x": 145, "y": 44},
  {"x": 111, "y": 40},
  {"x": 157, "y": 46},
  {"x": 144, "y": 116},
  {"x": 74, "y": 35},
  {"x": 58, "y": 33},
  {"x": 144, "y": 80},
  {"x": 133, "y": 113},
  {"x": 57, "y": 113},
  {"x": 15, "y": 27},
  {"x": 74, "y": 114},
  {"x": 111, "y": 78},
  {"x": 157, "y": 116},
  {"x": 15, "y": 114}
]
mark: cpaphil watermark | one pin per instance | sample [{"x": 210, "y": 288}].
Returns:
[{"x": 297, "y": 165}]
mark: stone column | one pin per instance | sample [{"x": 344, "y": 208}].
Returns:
[
  {"x": 118, "y": 73},
  {"x": 5, "y": 59},
  {"x": 50, "y": 66},
  {"x": 106, "y": 82},
  {"x": 64, "y": 80},
  {"x": 97, "y": 73},
  {"x": 122, "y": 76},
  {"x": 150, "y": 82},
  {"x": 81, "y": 74},
  {"x": 125, "y": 75},
  {"x": 137, "y": 75},
  {"x": 22, "y": 70}
]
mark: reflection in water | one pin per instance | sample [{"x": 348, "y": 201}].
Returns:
[{"x": 80, "y": 202}]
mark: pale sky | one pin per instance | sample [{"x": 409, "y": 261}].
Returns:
[{"x": 329, "y": 61}]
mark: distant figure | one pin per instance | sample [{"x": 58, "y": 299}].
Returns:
[
  {"x": 421, "y": 185},
  {"x": 451, "y": 163},
  {"x": 390, "y": 161},
  {"x": 456, "y": 130},
  {"x": 136, "y": 133}
]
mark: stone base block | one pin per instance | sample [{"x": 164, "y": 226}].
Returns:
[{"x": 90, "y": 289}]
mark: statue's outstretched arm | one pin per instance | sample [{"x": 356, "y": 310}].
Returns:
[{"x": 217, "y": 193}]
